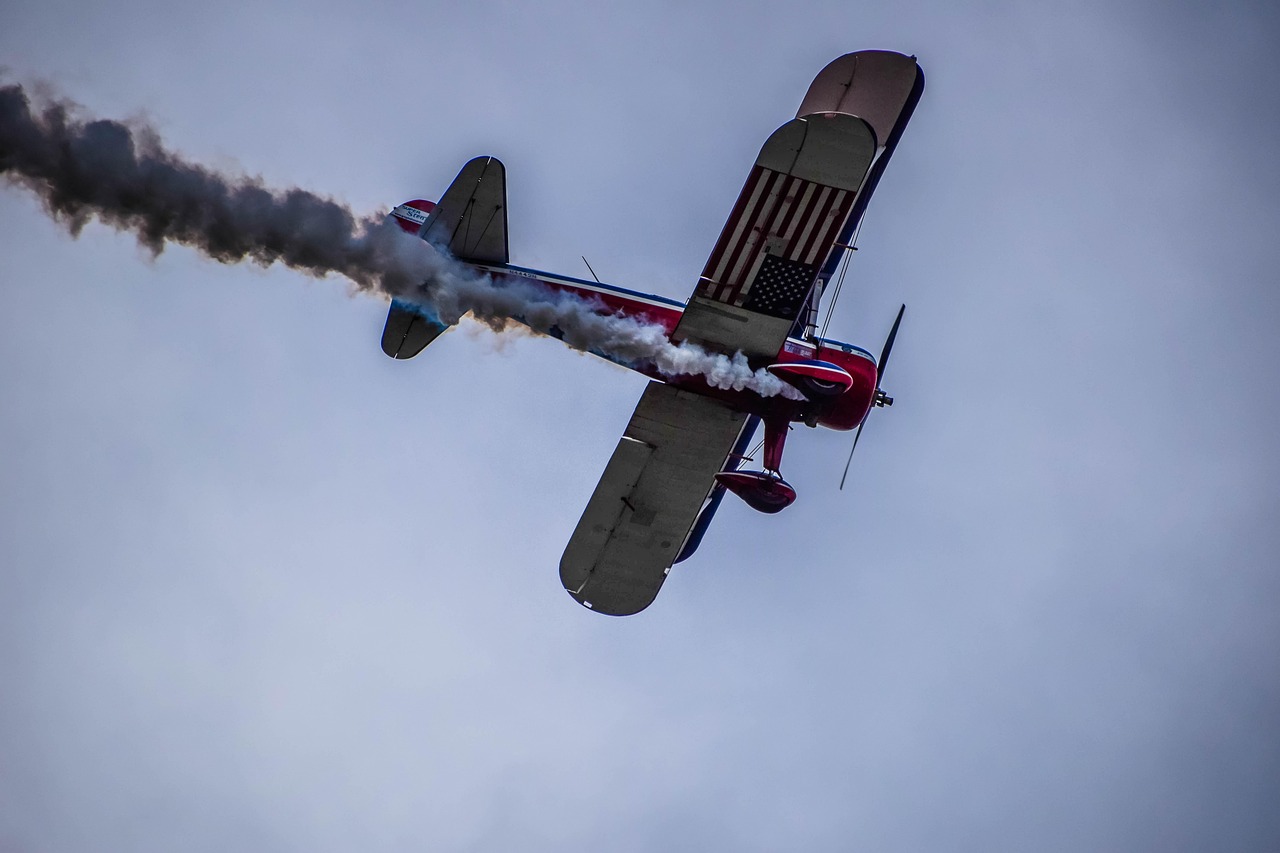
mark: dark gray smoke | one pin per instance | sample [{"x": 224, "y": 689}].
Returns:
[{"x": 121, "y": 174}]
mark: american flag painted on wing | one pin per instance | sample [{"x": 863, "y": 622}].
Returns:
[{"x": 780, "y": 231}]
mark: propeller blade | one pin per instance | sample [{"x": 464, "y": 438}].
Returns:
[
  {"x": 851, "y": 449},
  {"x": 888, "y": 346},
  {"x": 880, "y": 366}
]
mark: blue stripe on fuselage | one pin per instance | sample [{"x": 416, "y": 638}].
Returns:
[
  {"x": 541, "y": 275},
  {"x": 579, "y": 282}
]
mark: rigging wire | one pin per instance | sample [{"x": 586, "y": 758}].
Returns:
[
  {"x": 835, "y": 292},
  {"x": 844, "y": 268}
]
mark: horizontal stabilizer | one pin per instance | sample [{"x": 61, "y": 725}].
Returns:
[{"x": 409, "y": 329}]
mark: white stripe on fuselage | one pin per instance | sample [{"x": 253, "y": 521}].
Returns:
[
  {"x": 797, "y": 346},
  {"x": 579, "y": 284}
]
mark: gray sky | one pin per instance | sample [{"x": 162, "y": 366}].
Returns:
[{"x": 263, "y": 588}]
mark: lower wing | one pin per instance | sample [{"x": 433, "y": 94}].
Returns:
[{"x": 648, "y": 499}]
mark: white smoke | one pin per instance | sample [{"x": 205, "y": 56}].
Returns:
[
  {"x": 122, "y": 174},
  {"x": 453, "y": 290}
]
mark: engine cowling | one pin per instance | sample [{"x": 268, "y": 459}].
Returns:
[{"x": 817, "y": 380}]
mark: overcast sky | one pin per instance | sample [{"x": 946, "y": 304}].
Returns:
[{"x": 263, "y": 588}]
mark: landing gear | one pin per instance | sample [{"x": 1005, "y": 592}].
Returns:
[{"x": 764, "y": 491}]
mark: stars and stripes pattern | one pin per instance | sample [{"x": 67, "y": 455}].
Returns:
[
  {"x": 780, "y": 287},
  {"x": 776, "y": 215}
]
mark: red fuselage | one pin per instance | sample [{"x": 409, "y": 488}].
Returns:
[{"x": 843, "y": 412}]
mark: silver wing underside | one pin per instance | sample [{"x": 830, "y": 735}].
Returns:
[{"x": 648, "y": 499}]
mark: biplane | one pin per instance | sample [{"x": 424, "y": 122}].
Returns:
[{"x": 758, "y": 295}]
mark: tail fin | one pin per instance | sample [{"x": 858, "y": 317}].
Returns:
[
  {"x": 412, "y": 215},
  {"x": 470, "y": 222}
]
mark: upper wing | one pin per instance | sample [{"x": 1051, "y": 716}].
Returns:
[
  {"x": 801, "y": 199},
  {"x": 470, "y": 220},
  {"x": 648, "y": 499},
  {"x": 795, "y": 201},
  {"x": 882, "y": 88}
]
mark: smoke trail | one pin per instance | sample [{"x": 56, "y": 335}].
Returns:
[{"x": 121, "y": 174}]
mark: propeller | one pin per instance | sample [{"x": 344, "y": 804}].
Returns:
[{"x": 881, "y": 398}]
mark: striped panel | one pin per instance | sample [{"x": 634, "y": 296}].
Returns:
[{"x": 775, "y": 214}]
